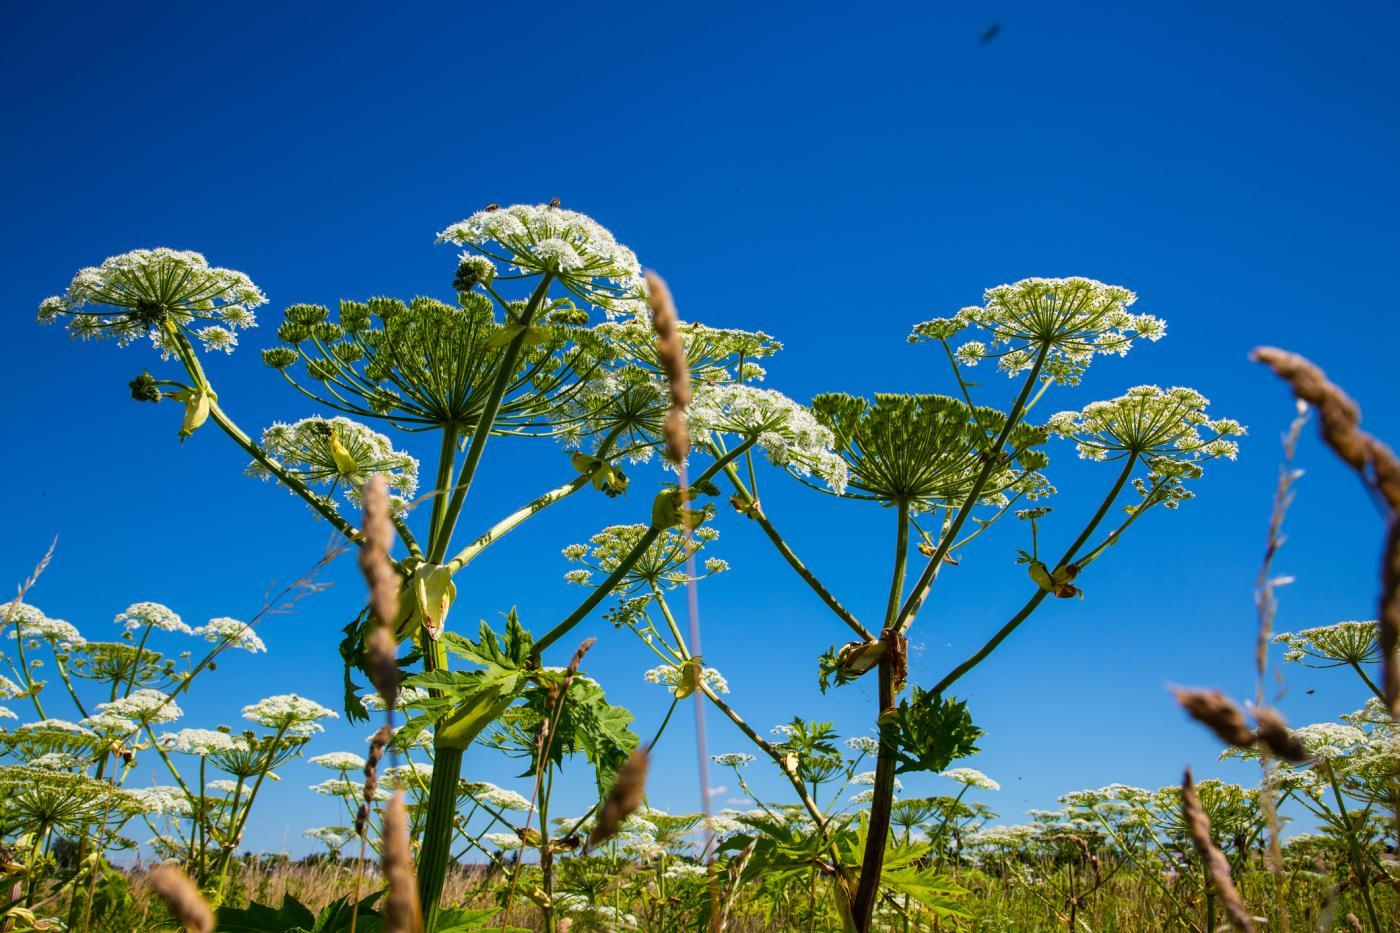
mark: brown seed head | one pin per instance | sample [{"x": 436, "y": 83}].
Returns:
[
  {"x": 623, "y": 800},
  {"x": 402, "y": 913},
  {"x": 670, "y": 352},
  {"x": 1198, "y": 824},
  {"x": 383, "y": 582},
  {"x": 1219, "y": 713},
  {"x": 180, "y": 894},
  {"x": 1273, "y": 731}
]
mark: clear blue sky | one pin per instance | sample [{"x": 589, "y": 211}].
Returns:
[{"x": 829, "y": 174}]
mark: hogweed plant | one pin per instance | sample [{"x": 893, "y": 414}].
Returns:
[
  {"x": 548, "y": 336},
  {"x": 70, "y": 791}
]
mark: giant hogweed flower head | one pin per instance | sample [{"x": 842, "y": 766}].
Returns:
[
  {"x": 1167, "y": 429},
  {"x": 1068, "y": 320},
  {"x": 538, "y": 239},
  {"x": 144, "y": 706},
  {"x": 340, "y": 452},
  {"x": 147, "y": 292},
  {"x": 426, "y": 363},
  {"x": 289, "y": 713},
  {"x": 713, "y": 354},
  {"x": 924, "y": 450},
  {"x": 141, "y": 615},
  {"x": 661, "y": 565},
  {"x": 788, "y": 433},
  {"x": 1344, "y": 643},
  {"x": 233, "y": 632}
]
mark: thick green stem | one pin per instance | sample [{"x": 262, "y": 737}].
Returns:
[
  {"x": 436, "y": 851},
  {"x": 498, "y": 530},
  {"x": 882, "y": 800}
]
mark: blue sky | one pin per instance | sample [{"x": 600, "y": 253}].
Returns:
[{"x": 828, "y": 175}]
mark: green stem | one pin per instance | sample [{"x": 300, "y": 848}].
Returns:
[
  {"x": 925, "y": 581},
  {"x": 626, "y": 564},
  {"x": 1371, "y": 684},
  {"x": 882, "y": 800},
  {"x": 438, "y": 548},
  {"x": 796, "y": 564},
  {"x": 509, "y": 523},
  {"x": 1035, "y": 601},
  {"x": 436, "y": 848}
]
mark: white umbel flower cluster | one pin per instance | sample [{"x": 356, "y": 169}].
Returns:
[
  {"x": 201, "y": 742},
  {"x": 142, "y": 292},
  {"x": 339, "y": 761},
  {"x": 786, "y": 431},
  {"x": 144, "y": 706},
  {"x": 237, "y": 634},
  {"x": 28, "y": 621},
  {"x": 290, "y": 713},
  {"x": 971, "y": 777},
  {"x": 670, "y": 676},
  {"x": 140, "y": 615},
  {"x": 1157, "y": 425},
  {"x": 340, "y": 452},
  {"x": 580, "y": 253},
  {"x": 1067, "y": 321}
]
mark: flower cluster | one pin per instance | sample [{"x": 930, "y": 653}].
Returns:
[
  {"x": 152, "y": 292},
  {"x": 233, "y": 632},
  {"x": 340, "y": 452},
  {"x": 577, "y": 251},
  {"x": 1345, "y": 643},
  {"x": 787, "y": 432},
  {"x": 661, "y": 564},
  {"x": 1059, "y": 324},
  {"x": 289, "y": 713},
  {"x": 153, "y": 615},
  {"x": 971, "y": 777},
  {"x": 669, "y": 675}
]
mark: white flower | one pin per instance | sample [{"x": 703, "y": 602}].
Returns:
[
  {"x": 139, "y": 615},
  {"x": 333, "y": 836},
  {"x": 56, "y": 631},
  {"x": 162, "y": 801},
  {"x": 1329, "y": 739},
  {"x": 786, "y": 431},
  {"x": 145, "y": 291},
  {"x": 237, "y": 634},
  {"x": 340, "y": 452},
  {"x": 201, "y": 742},
  {"x": 341, "y": 787},
  {"x": 1067, "y": 321},
  {"x": 289, "y": 713},
  {"x": 868, "y": 778},
  {"x": 54, "y": 725},
  {"x": 582, "y": 255},
  {"x": 143, "y": 706},
  {"x": 972, "y": 778},
  {"x": 223, "y": 786},
  {"x": 1157, "y": 425},
  {"x": 408, "y": 696},
  {"x": 863, "y": 744},
  {"x": 339, "y": 761},
  {"x": 503, "y": 840},
  {"x": 670, "y": 676},
  {"x": 59, "y": 761},
  {"x": 732, "y": 759},
  {"x": 499, "y": 797}
]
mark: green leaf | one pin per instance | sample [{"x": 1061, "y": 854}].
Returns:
[
  {"x": 292, "y": 916},
  {"x": 928, "y": 732},
  {"x": 511, "y": 651},
  {"x": 469, "y": 919}
]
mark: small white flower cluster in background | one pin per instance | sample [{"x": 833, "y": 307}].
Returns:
[
  {"x": 289, "y": 713},
  {"x": 669, "y": 675}
]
